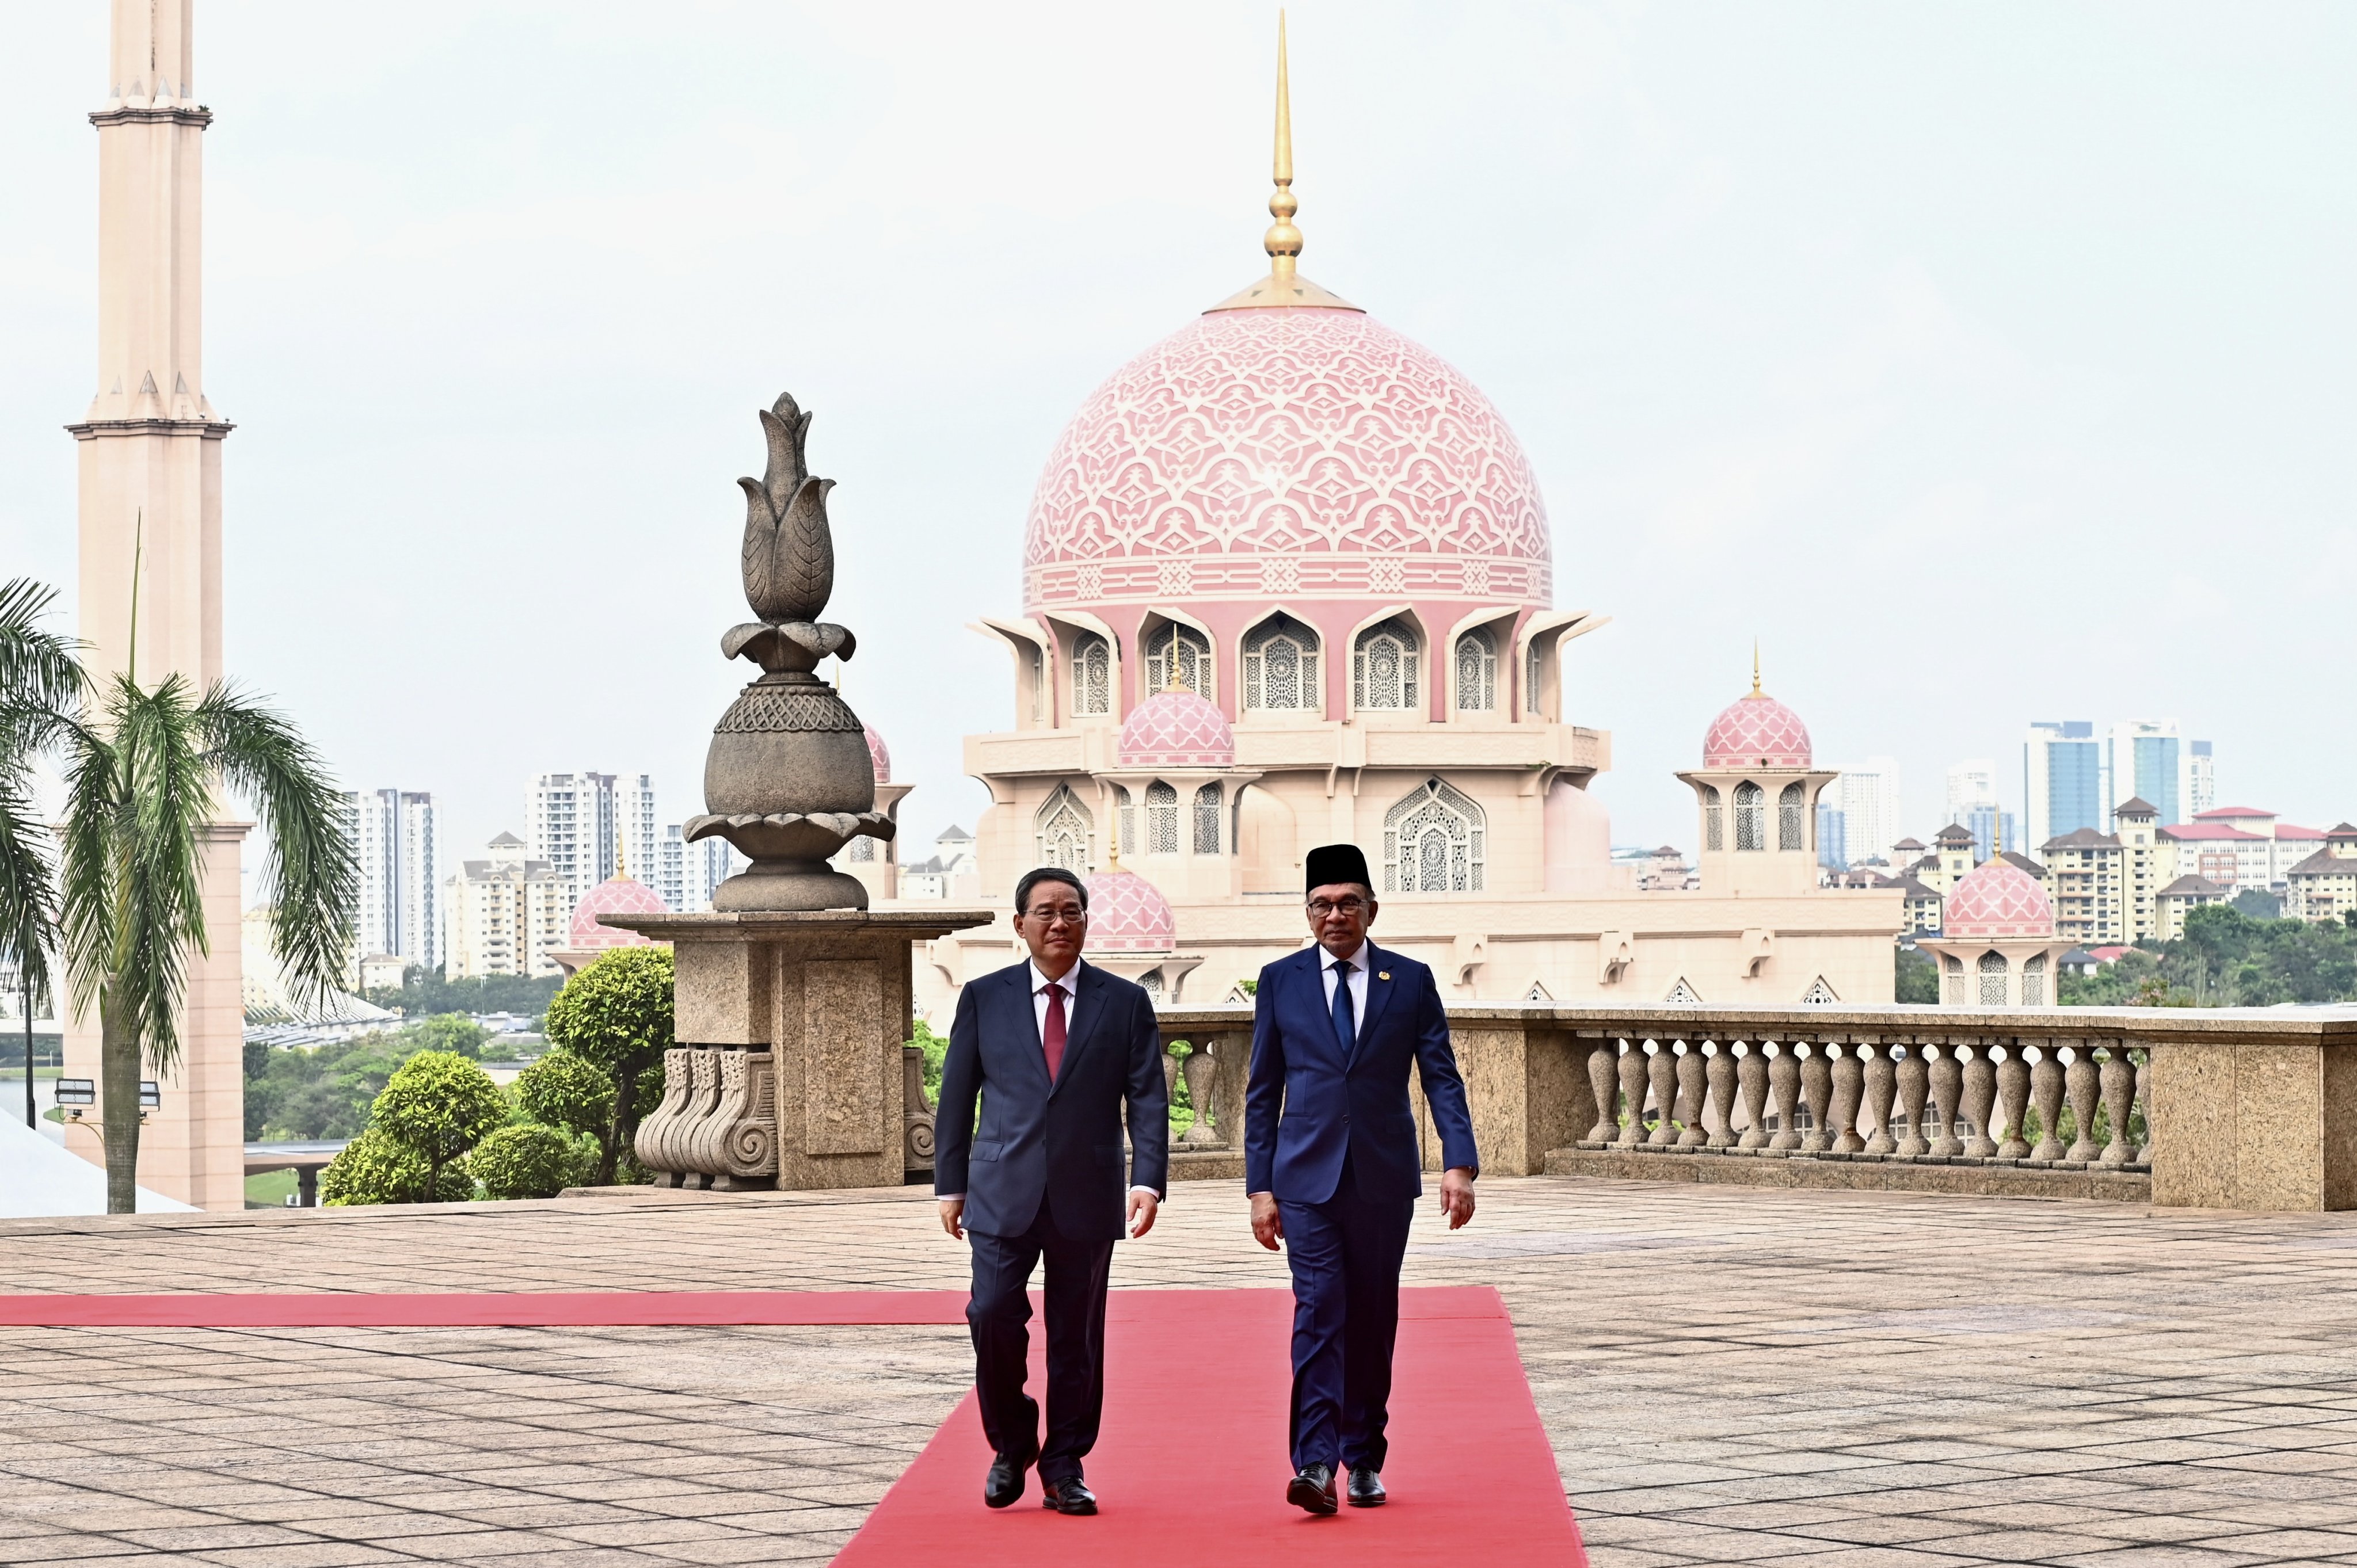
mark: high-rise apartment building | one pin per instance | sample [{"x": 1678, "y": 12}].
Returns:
[
  {"x": 1833, "y": 837},
  {"x": 1994, "y": 832},
  {"x": 2141, "y": 762},
  {"x": 507, "y": 913},
  {"x": 393, "y": 838},
  {"x": 1971, "y": 783},
  {"x": 2199, "y": 785},
  {"x": 573, "y": 826},
  {"x": 2062, "y": 780},
  {"x": 1867, "y": 795},
  {"x": 640, "y": 825},
  {"x": 686, "y": 874}
]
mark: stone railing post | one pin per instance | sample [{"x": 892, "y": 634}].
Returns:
[
  {"x": 2013, "y": 1099},
  {"x": 1694, "y": 1130},
  {"x": 1914, "y": 1075},
  {"x": 1978, "y": 1099},
  {"x": 1202, "y": 1075},
  {"x": 1662, "y": 1076},
  {"x": 1718, "y": 1078},
  {"x": 2081, "y": 1083},
  {"x": 2116, "y": 1083},
  {"x": 1751, "y": 1074},
  {"x": 1849, "y": 1085},
  {"x": 2046, "y": 1098},
  {"x": 1632, "y": 1093},
  {"x": 1816, "y": 1087},
  {"x": 1947, "y": 1087},
  {"x": 1784, "y": 1086},
  {"x": 1881, "y": 1078}
]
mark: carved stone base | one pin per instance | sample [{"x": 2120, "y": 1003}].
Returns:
[{"x": 798, "y": 1022}]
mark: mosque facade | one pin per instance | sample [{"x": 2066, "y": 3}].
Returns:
[{"x": 1287, "y": 579}]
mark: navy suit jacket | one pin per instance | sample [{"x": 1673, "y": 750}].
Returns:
[
  {"x": 1308, "y": 1102},
  {"x": 1034, "y": 1137}
]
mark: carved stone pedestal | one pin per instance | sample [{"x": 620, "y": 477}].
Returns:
[{"x": 789, "y": 1070}]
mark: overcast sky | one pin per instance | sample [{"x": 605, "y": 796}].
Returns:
[{"x": 1987, "y": 363}]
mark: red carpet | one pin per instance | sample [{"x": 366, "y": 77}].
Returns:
[
  {"x": 456, "y": 1309},
  {"x": 1190, "y": 1467}
]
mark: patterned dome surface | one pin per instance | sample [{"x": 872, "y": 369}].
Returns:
[
  {"x": 1128, "y": 914},
  {"x": 1756, "y": 731},
  {"x": 1999, "y": 900},
  {"x": 1176, "y": 729},
  {"x": 1308, "y": 453},
  {"x": 615, "y": 896},
  {"x": 879, "y": 754}
]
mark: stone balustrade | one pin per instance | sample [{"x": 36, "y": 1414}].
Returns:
[{"x": 2211, "y": 1108}]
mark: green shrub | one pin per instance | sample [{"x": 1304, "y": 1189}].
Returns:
[
  {"x": 529, "y": 1160},
  {"x": 566, "y": 1089},
  {"x": 440, "y": 1105},
  {"x": 617, "y": 1014},
  {"x": 375, "y": 1168}
]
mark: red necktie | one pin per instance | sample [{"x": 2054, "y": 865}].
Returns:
[{"x": 1052, "y": 1038}]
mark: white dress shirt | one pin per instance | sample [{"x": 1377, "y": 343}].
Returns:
[
  {"x": 1070, "y": 983},
  {"x": 1358, "y": 962}
]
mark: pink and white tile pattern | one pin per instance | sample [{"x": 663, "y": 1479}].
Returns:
[
  {"x": 1128, "y": 914},
  {"x": 1756, "y": 731},
  {"x": 1176, "y": 729}
]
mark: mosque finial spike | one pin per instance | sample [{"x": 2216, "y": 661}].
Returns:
[
  {"x": 1755, "y": 669},
  {"x": 1283, "y": 241}
]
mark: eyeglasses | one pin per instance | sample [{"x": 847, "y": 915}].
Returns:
[
  {"x": 1321, "y": 907},
  {"x": 1062, "y": 915}
]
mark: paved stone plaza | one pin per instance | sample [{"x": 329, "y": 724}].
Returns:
[{"x": 1729, "y": 1375}]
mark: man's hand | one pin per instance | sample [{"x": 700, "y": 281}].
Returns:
[
  {"x": 954, "y": 1211},
  {"x": 1268, "y": 1226},
  {"x": 1142, "y": 1206},
  {"x": 1457, "y": 1196}
]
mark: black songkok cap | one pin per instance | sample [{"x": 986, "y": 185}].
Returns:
[{"x": 1332, "y": 862}]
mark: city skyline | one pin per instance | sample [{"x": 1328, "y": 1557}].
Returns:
[{"x": 1873, "y": 306}]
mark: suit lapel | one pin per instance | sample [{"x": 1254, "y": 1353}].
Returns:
[
  {"x": 1379, "y": 995},
  {"x": 1088, "y": 1004}
]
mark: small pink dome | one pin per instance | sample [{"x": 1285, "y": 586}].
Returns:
[
  {"x": 1128, "y": 914},
  {"x": 1176, "y": 729},
  {"x": 1756, "y": 731},
  {"x": 1999, "y": 900},
  {"x": 615, "y": 896},
  {"x": 879, "y": 754}
]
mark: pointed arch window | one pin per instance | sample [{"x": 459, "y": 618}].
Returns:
[
  {"x": 1993, "y": 972},
  {"x": 1714, "y": 818},
  {"x": 1161, "y": 819},
  {"x": 1091, "y": 675},
  {"x": 1531, "y": 681},
  {"x": 1477, "y": 671},
  {"x": 1064, "y": 825},
  {"x": 1281, "y": 667},
  {"x": 1383, "y": 669},
  {"x": 1791, "y": 830},
  {"x": 1125, "y": 816},
  {"x": 1434, "y": 842},
  {"x": 1178, "y": 657},
  {"x": 1037, "y": 663},
  {"x": 1207, "y": 820},
  {"x": 1955, "y": 973},
  {"x": 1750, "y": 816},
  {"x": 2033, "y": 980}
]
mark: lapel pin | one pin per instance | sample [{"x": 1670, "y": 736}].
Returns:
[{"x": 1383, "y": 975}]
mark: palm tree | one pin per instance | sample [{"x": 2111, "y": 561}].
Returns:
[
  {"x": 141, "y": 785},
  {"x": 41, "y": 685}
]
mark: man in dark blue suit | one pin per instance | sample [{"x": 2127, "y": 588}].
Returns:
[
  {"x": 1334, "y": 1167},
  {"x": 1054, "y": 1050}
]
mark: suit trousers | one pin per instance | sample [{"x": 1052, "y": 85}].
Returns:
[
  {"x": 1345, "y": 1255},
  {"x": 999, "y": 1311}
]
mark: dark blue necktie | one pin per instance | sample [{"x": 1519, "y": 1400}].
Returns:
[{"x": 1345, "y": 1030}]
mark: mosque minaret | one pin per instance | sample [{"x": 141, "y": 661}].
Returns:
[
  {"x": 150, "y": 478},
  {"x": 1287, "y": 579}
]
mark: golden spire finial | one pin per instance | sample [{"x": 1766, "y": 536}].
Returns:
[
  {"x": 1755, "y": 669},
  {"x": 1283, "y": 241}
]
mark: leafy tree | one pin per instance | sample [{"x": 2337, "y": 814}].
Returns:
[
  {"x": 528, "y": 1159},
  {"x": 438, "y": 1105},
  {"x": 142, "y": 775},
  {"x": 452, "y": 1032},
  {"x": 40, "y": 684},
  {"x": 617, "y": 1013},
  {"x": 423, "y": 991},
  {"x": 1914, "y": 977},
  {"x": 375, "y": 1168},
  {"x": 566, "y": 1091}
]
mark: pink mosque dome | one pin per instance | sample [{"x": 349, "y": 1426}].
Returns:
[
  {"x": 1756, "y": 731},
  {"x": 1176, "y": 729},
  {"x": 1128, "y": 914},
  {"x": 1292, "y": 454},
  {"x": 1996, "y": 901},
  {"x": 878, "y": 754},
  {"x": 615, "y": 896}
]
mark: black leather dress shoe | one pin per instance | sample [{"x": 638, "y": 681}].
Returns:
[
  {"x": 1366, "y": 1489},
  {"x": 1005, "y": 1482},
  {"x": 1312, "y": 1490},
  {"x": 1071, "y": 1495}
]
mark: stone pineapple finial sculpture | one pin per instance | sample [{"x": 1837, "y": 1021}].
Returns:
[{"x": 787, "y": 779}]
